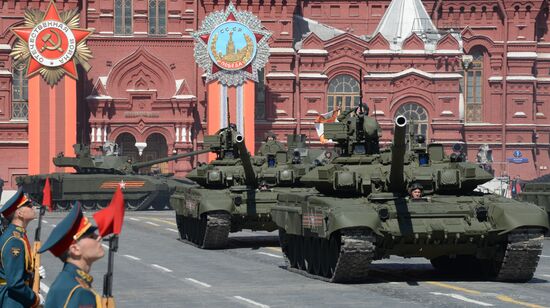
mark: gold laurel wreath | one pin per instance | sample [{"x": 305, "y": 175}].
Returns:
[{"x": 21, "y": 54}]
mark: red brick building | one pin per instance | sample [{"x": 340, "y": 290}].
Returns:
[{"x": 469, "y": 72}]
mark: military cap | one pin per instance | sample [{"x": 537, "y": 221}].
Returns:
[
  {"x": 15, "y": 202},
  {"x": 69, "y": 230}
]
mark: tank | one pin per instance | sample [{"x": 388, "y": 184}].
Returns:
[
  {"x": 362, "y": 212},
  {"x": 95, "y": 178},
  {"x": 537, "y": 191},
  {"x": 235, "y": 191}
]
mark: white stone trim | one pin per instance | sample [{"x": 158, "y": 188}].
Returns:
[
  {"x": 522, "y": 55},
  {"x": 495, "y": 78},
  {"x": 184, "y": 97},
  {"x": 543, "y": 79},
  {"x": 5, "y": 72},
  {"x": 280, "y": 75},
  {"x": 14, "y": 141},
  {"x": 312, "y": 52},
  {"x": 5, "y": 47},
  {"x": 411, "y": 71},
  {"x": 99, "y": 97},
  {"x": 521, "y": 78},
  {"x": 447, "y": 113},
  {"x": 280, "y": 50},
  {"x": 312, "y": 76}
]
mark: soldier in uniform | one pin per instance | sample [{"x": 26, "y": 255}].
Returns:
[
  {"x": 16, "y": 258},
  {"x": 75, "y": 241}
]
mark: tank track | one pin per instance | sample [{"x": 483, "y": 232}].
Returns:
[
  {"x": 521, "y": 256},
  {"x": 354, "y": 258},
  {"x": 217, "y": 231},
  {"x": 213, "y": 233}
]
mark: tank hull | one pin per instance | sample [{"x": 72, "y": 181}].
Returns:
[
  {"x": 95, "y": 191},
  {"x": 537, "y": 193},
  {"x": 205, "y": 217},
  {"x": 353, "y": 232}
]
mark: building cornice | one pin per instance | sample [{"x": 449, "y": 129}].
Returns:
[{"x": 413, "y": 71}]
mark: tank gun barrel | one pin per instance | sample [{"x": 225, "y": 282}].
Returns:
[
  {"x": 250, "y": 175},
  {"x": 138, "y": 166},
  {"x": 397, "y": 181}
]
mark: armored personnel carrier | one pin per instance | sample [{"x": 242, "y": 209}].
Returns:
[
  {"x": 96, "y": 178},
  {"x": 236, "y": 191},
  {"x": 362, "y": 212}
]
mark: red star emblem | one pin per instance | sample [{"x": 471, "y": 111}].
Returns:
[
  {"x": 51, "y": 43},
  {"x": 206, "y": 37}
]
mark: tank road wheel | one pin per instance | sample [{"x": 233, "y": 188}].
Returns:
[
  {"x": 333, "y": 252},
  {"x": 88, "y": 205},
  {"x": 325, "y": 271},
  {"x": 63, "y": 205},
  {"x": 101, "y": 204},
  {"x": 132, "y": 205}
]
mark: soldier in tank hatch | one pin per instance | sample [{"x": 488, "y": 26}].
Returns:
[
  {"x": 16, "y": 257},
  {"x": 415, "y": 191},
  {"x": 75, "y": 242}
]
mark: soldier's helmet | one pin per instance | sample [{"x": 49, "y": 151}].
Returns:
[{"x": 415, "y": 186}]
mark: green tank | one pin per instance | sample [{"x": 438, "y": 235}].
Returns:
[
  {"x": 537, "y": 191},
  {"x": 362, "y": 212},
  {"x": 96, "y": 178},
  {"x": 236, "y": 191}
]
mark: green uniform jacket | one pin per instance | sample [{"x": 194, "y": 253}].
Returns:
[
  {"x": 73, "y": 289},
  {"x": 15, "y": 269}
]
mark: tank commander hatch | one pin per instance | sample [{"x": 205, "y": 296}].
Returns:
[
  {"x": 271, "y": 145},
  {"x": 371, "y": 127}
]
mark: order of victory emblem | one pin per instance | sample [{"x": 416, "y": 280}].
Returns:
[
  {"x": 231, "y": 46},
  {"x": 51, "y": 44}
]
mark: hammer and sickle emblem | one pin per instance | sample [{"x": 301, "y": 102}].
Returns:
[{"x": 50, "y": 44}]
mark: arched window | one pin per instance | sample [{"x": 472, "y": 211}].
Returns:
[
  {"x": 157, "y": 17},
  {"x": 20, "y": 94},
  {"x": 156, "y": 148},
  {"x": 473, "y": 87},
  {"x": 123, "y": 17},
  {"x": 417, "y": 116},
  {"x": 343, "y": 91},
  {"x": 127, "y": 146}
]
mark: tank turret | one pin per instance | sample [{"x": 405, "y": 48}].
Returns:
[{"x": 84, "y": 162}]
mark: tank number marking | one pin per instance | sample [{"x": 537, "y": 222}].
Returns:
[{"x": 191, "y": 205}]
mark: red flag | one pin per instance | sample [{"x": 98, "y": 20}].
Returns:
[
  {"x": 47, "y": 195},
  {"x": 110, "y": 219}
]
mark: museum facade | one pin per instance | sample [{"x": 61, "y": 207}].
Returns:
[{"x": 476, "y": 73}]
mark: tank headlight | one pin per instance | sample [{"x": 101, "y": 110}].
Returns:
[
  {"x": 238, "y": 200},
  {"x": 384, "y": 214},
  {"x": 482, "y": 213}
]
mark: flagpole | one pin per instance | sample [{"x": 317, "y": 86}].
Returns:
[{"x": 108, "y": 300}]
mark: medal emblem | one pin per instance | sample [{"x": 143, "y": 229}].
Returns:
[
  {"x": 231, "y": 46},
  {"x": 51, "y": 44}
]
